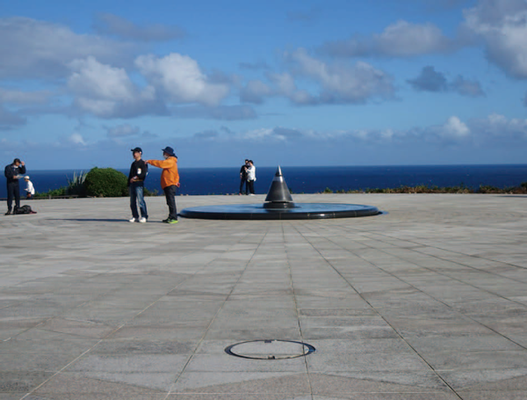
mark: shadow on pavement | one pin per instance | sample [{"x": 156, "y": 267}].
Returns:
[{"x": 102, "y": 220}]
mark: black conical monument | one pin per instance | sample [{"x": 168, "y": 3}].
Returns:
[{"x": 278, "y": 195}]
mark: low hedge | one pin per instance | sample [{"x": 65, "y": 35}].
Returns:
[{"x": 106, "y": 182}]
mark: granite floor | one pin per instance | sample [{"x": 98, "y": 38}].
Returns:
[{"x": 427, "y": 301}]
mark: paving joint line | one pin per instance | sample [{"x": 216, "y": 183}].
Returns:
[
  {"x": 308, "y": 373},
  {"x": 434, "y": 298},
  {"x": 58, "y": 315},
  {"x": 451, "y": 251},
  {"x": 443, "y": 302},
  {"x": 383, "y": 318},
  {"x": 215, "y": 315},
  {"x": 112, "y": 332}
]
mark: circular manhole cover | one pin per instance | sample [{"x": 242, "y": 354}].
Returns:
[{"x": 270, "y": 349}]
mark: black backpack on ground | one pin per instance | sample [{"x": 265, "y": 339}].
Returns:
[{"x": 24, "y": 210}]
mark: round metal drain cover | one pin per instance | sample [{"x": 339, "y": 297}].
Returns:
[{"x": 270, "y": 349}]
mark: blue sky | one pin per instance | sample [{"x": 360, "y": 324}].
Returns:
[{"x": 296, "y": 83}]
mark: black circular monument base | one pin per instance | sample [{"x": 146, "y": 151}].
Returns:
[{"x": 300, "y": 211}]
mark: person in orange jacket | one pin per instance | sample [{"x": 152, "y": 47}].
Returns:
[{"x": 169, "y": 181}]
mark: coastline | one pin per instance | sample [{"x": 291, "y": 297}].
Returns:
[{"x": 349, "y": 179}]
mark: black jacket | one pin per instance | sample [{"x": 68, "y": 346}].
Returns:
[
  {"x": 139, "y": 169},
  {"x": 12, "y": 170},
  {"x": 243, "y": 172}
]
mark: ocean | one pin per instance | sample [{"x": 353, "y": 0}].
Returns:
[{"x": 205, "y": 181}]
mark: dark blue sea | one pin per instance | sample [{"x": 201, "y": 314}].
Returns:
[{"x": 203, "y": 181}]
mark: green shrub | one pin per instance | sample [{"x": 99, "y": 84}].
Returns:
[
  {"x": 105, "y": 182},
  {"x": 148, "y": 192},
  {"x": 51, "y": 193}
]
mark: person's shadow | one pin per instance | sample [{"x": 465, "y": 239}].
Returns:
[{"x": 101, "y": 220}]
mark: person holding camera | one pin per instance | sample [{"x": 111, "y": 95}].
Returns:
[
  {"x": 243, "y": 178},
  {"x": 13, "y": 172}
]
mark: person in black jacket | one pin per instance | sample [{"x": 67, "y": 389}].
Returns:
[
  {"x": 13, "y": 172},
  {"x": 136, "y": 179},
  {"x": 243, "y": 178}
]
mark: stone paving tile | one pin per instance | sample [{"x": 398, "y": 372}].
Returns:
[
  {"x": 354, "y": 362},
  {"x": 500, "y": 395},
  {"x": 440, "y": 277},
  {"x": 235, "y": 396},
  {"x": 226, "y": 363},
  {"x": 487, "y": 379},
  {"x": 264, "y": 383},
  {"x": 67, "y": 385},
  {"x": 480, "y": 360},
  {"x": 22, "y": 381},
  {"x": 13, "y": 396},
  {"x": 131, "y": 347},
  {"x": 377, "y": 385},
  {"x": 390, "y": 396}
]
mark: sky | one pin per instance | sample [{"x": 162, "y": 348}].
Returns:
[{"x": 292, "y": 83}]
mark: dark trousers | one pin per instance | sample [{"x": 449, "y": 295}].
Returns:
[
  {"x": 137, "y": 196},
  {"x": 170, "y": 194},
  {"x": 250, "y": 184},
  {"x": 13, "y": 192},
  {"x": 243, "y": 181}
]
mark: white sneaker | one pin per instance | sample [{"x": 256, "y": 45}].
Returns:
[
  {"x": 133, "y": 220},
  {"x": 252, "y": 194},
  {"x": 142, "y": 220}
]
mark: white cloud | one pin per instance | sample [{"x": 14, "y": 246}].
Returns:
[
  {"x": 503, "y": 26},
  {"x": 466, "y": 87},
  {"x": 255, "y": 91},
  {"x": 37, "y": 49},
  {"x": 430, "y": 80},
  {"x": 108, "y": 92},
  {"x": 455, "y": 128},
  {"x": 329, "y": 83},
  {"x": 124, "y": 130},
  {"x": 12, "y": 103},
  {"x": 401, "y": 39},
  {"x": 114, "y": 25},
  {"x": 340, "y": 83},
  {"x": 226, "y": 113},
  {"x": 76, "y": 139},
  {"x": 9, "y": 96},
  {"x": 9, "y": 119},
  {"x": 452, "y": 131},
  {"x": 206, "y": 135},
  {"x": 180, "y": 79},
  {"x": 500, "y": 128},
  {"x": 93, "y": 79},
  {"x": 404, "y": 39},
  {"x": 254, "y": 66},
  {"x": 284, "y": 82}
]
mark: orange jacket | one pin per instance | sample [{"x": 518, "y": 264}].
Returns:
[{"x": 170, "y": 175}]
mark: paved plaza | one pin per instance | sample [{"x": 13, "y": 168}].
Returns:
[{"x": 427, "y": 301}]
